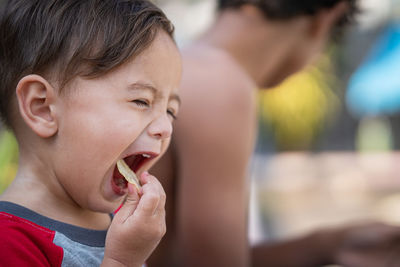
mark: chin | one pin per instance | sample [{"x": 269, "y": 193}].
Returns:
[{"x": 105, "y": 206}]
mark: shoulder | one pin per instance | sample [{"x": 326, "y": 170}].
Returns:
[
  {"x": 218, "y": 99},
  {"x": 24, "y": 243},
  {"x": 213, "y": 82},
  {"x": 210, "y": 71}
]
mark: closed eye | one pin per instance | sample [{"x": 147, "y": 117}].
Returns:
[
  {"x": 172, "y": 114},
  {"x": 141, "y": 103}
]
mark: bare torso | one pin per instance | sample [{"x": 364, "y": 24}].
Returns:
[{"x": 212, "y": 143}]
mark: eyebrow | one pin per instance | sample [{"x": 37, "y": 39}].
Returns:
[
  {"x": 140, "y": 85},
  {"x": 176, "y": 98}
]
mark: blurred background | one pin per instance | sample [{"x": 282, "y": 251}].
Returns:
[{"x": 329, "y": 136}]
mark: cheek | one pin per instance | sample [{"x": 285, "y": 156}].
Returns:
[
  {"x": 95, "y": 135},
  {"x": 93, "y": 128},
  {"x": 89, "y": 145}
]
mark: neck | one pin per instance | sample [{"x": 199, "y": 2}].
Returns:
[
  {"x": 260, "y": 46},
  {"x": 46, "y": 197}
]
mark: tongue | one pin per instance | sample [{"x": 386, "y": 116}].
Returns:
[
  {"x": 118, "y": 183},
  {"x": 119, "y": 180}
]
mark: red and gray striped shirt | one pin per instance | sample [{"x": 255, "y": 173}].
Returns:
[{"x": 30, "y": 239}]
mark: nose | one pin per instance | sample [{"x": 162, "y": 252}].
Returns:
[{"x": 161, "y": 127}]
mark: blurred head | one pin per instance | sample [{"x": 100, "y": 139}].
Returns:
[
  {"x": 60, "y": 40},
  {"x": 286, "y": 9},
  {"x": 301, "y": 29}
]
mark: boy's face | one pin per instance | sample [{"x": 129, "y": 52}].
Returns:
[{"x": 126, "y": 114}]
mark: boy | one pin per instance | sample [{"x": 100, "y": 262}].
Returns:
[
  {"x": 251, "y": 45},
  {"x": 85, "y": 84}
]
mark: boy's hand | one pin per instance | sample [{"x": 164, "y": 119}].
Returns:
[{"x": 138, "y": 226}]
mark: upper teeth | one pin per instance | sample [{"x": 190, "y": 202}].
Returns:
[{"x": 146, "y": 155}]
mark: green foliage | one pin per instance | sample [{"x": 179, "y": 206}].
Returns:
[{"x": 8, "y": 159}]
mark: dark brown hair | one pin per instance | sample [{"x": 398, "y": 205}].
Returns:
[
  {"x": 286, "y": 9},
  {"x": 71, "y": 38}
]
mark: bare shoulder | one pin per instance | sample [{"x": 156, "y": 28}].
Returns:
[
  {"x": 212, "y": 71},
  {"x": 213, "y": 84}
]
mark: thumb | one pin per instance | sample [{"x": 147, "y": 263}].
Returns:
[{"x": 129, "y": 205}]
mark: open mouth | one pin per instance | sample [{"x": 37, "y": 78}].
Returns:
[{"x": 135, "y": 162}]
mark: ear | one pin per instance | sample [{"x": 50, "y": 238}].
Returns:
[
  {"x": 36, "y": 101},
  {"x": 325, "y": 20}
]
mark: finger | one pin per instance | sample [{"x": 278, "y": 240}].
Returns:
[
  {"x": 145, "y": 178},
  {"x": 161, "y": 203},
  {"x": 130, "y": 204},
  {"x": 368, "y": 258},
  {"x": 151, "y": 196},
  {"x": 373, "y": 234},
  {"x": 155, "y": 182},
  {"x": 160, "y": 210},
  {"x": 163, "y": 198}
]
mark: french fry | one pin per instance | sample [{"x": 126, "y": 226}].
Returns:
[{"x": 128, "y": 174}]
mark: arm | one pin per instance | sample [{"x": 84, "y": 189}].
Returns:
[
  {"x": 214, "y": 140},
  {"x": 304, "y": 251},
  {"x": 357, "y": 245}
]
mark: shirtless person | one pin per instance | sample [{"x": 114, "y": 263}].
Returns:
[{"x": 252, "y": 44}]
